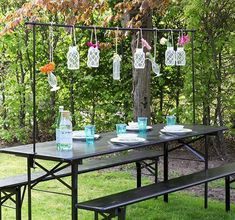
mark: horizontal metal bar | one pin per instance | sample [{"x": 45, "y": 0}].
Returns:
[
  {"x": 108, "y": 28},
  {"x": 53, "y": 192}
]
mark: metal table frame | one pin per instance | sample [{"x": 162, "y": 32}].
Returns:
[{"x": 47, "y": 151}]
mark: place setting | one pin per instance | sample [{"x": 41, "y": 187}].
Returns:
[
  {"x": 140, "y": 125},
  {"x": 174, "y": 129},
  {"x": 128, "y": 138},
  {"x": 88, "y": 134}
]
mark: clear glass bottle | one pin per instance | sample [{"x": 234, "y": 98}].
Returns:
[
  {"x": 180, "y": 56},
  {"x": 116, "y": 66},
  {"x": 170, "y": 56},
  {"x": 57, "y": 137},
  {"x": 65, "y": 127},
  {"x": 139, "y": 58}
]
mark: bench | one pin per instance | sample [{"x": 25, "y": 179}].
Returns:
[
  {"x": 115, "y": 205},
  {"x": 10, "y": 187}
]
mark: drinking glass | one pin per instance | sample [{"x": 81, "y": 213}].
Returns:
[
  {"x": 90, "y": 133},
  {"x": 170, "y": 120},
  {"x": 120, "y": 129},
  {"x": 142, "y": 123}
]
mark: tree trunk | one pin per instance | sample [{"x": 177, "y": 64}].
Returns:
[{"x": 141, "y": 78}]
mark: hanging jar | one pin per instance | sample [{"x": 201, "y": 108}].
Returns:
[
  {"x": 116, "y": 66},
  {"x": 93, "y": 56},
  {"x": 170, "y": 52},
  {"x": 180, "y": 56},
  {"x": 73, "y": 57},
  {"x": 116, "y": 60},
  {"x": 52, "y": 80},
  {"x": 139, "y": 55}
]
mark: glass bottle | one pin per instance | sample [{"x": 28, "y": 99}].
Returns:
[
  {"x": 180, "y": 56},
  {"x": 170, "y": 56},
  {"x": 139, "y": 58},
  {"x": 57, "y": 136},
  {"x": 116, "y": 66},
  {"x": 65, "y": 127},
  {"x": 73, "y": 57}
]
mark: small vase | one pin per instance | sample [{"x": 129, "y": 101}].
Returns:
[
  {"x": 93, "y": 57},
  {"x": 116, "y": 66},
  {"x": 73, "y": 58},
  {"x": 180, "y": 57},
  {"x": 170, "y": 56},
  {"x": 139, "y": 58},
  {"x": 52, "y": 80}
]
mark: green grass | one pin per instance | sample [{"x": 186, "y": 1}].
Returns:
[{"x": 181, "y": 206}]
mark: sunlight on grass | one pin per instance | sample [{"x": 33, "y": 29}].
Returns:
[{"x": 49, "y": 206}]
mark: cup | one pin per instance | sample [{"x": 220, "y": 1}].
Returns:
[
  {"x": 142, "y": 123},
  {"x": 90, "y": 133},
  {"x": 120, "y": 129},
  {"x": 170, "y": 120}
]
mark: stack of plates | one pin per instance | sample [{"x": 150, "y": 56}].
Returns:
[
  {"x": 175, "y": 129},
  {"x": 127, "y": 139},
  {"x": 133, "y": 126},
  {"x": 80, "y": 135}
]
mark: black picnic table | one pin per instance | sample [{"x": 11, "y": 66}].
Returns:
[{"x": 81, "y": 150}]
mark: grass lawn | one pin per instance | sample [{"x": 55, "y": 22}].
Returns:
[{"x": 47, "y": 206}]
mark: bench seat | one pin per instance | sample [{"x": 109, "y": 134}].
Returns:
[
  {"x": 12, "y": 185},
  {"x": 112, "y": 202}
]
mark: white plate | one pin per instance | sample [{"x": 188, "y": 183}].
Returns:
[
  {"x": 80, "y": 135},
  {"x": 126, "y": 136},
  {"x": 179, "y": 132},
  {"x": 129, "y": 128},
  {"x": 173, "y": 127},
  {"x": 127, "y": 141}
]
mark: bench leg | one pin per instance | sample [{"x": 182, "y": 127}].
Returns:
[
  {"x": 206, "y": 196},
  {"x": 0, "y": 205},
  {"x": 156, "y": 170},
  {"x": 138, "y": 174},
  {"x": 96, "y": 216},
  {"x": 122, "y": 213},
  {"x": 227, "y": 193},
  {"x": 18, "y": 203},
  {"x": 165, "y": 168}
]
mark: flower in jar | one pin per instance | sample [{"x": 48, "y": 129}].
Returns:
[
  {"x": 163, "y": 41},
  {"x": 48, "y": 68}
]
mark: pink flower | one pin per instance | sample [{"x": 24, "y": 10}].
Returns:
[
  {"x": 90, "y": 44},
  {"x": 145, "y": 44},
  {"x": 183, "y": 40}
]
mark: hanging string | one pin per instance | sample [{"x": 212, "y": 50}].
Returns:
[
  {"x": 141, "y": 36},
  {"x": 155, "y": 43},
  {"x": 172, "y": 41},
  {"x": 116, "y": 39},
  {"x": 51, "y": 41},
  {"x": 96, "y": 42},
  {"x": 74, "y": 36},
  {"x": 138, "y": 38}
]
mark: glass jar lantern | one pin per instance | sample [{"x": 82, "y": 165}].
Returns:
[
  {"x": 180, "y": 56},
  {"x": 93, "y": 57},
  {"x": 170, "y": 56},
  {"x": 139, "y": 58},
  {"x": 116, "y": 66},
  {"x": 73, "y": 57}
]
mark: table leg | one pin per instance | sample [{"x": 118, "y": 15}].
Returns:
[
  {"x": 138, "y": 174},
  {"x": 29, "y": 166},
  {"x": 74, "y": 180},
  {"x": 206, "y": 168},
  {"x": 165, "y": 167},
  {"x": 18, "y": 203}
]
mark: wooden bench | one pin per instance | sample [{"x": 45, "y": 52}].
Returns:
[
  {"x": 10, "y": 187},
  {"x": 115, "y": 204}
]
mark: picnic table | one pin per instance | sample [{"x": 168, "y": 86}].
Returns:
[{"x": 81, "y": 151}]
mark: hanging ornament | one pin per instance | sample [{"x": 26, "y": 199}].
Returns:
[
  {"x": 170, "y": 52},
  {"x": 73, "y": 56},
  {"x": 155, "y": 66},
  {"x": 116, "y": 61},
  {"x": 93, "y": 56},
  {"x": 50, "y": 67},
  {"x": 139, "y": 55}
]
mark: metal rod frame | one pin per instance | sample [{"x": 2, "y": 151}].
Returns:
[{"x": 34, "y": 24}]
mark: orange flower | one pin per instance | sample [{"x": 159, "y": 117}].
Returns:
[{"x": 50, "y": 67}]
